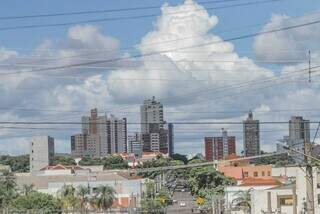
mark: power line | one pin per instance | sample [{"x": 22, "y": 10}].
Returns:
[
  {"x": 128, "y": 17},
  {"x": 168, "y": 51},
  {"x": 103, "y": 11}
]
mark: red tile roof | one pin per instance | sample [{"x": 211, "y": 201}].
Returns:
[{"x": 250, "y": 181}]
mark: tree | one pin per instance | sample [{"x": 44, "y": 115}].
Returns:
[
  {"x": 150, "y": 203},
  {"x": 35, "y": 201},
  {"x": 68, "y": 161},
  {"x": 114, "y": 162},
  {"x": 7, "y": 188},
  {"x": 104, "y": 197},
  {"x": 180, "y": 157},
  {"x": 17, "y": 163},
  {"x": 83, "y": 194},
  {"x": 68, "y": 198},
  {"x": 27, "y": 189},
  {"x": 243, "y": 200},
  {"x": 88, "y": 161}
]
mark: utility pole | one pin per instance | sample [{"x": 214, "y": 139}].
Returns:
[{"x": 309, "y": 178}]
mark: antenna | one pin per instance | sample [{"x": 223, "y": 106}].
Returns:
[{"x": 309, "y": 56}]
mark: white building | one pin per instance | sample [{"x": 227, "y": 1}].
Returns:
[
  {"x": 134, "y": 145},
  {"x": 151, "y": 113},
  {"x": 41, "y": 152},
  {"x": 282, "y": 198}
]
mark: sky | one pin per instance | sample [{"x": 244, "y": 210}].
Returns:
[{"x": 188, "y": 60}]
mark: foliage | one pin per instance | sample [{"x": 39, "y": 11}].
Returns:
[
  {"x": 114, "y": 162},
  {"x": 7, "y": 188},
  {"x": 243, "y": 200},
  {"x": 109, "y": 162},
  {"x": 17, "y": 163},
  {"x": 35, "y": 201},
  {"x": 67, "y": 161},
  {"x": 152, "y": 203},
  {"x": 180, "y": 157},
  {"x": 67, "y": 198},
  {"x": 104, "y": 197},
  {"x": 27, "y": 189},
  {"x": 202, "y": 178},
  {"x": 277, "y": 160},
  {"x": 88, "y": 161},
  {"x": 83, "y": 194}
]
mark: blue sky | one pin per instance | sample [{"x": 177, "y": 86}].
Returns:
[
  {"x": 92, "y": 90},
  {"x": 129, "y": 32}
]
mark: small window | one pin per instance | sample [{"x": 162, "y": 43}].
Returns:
[
  {"x": 263, "y": 173},
  {"x": 246, "y": 174},
  {"x": 318, "y": 198},
  {"x": 269, "y": 174},
  {"x": 255, "y": 174}
]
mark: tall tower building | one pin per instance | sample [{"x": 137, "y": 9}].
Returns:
[
  {"x": 299, "y": 133},
  {"x": 171, "y": 139},
  {"x": 251, "y": 136},
  {"x": 217, "y": 148},
  {"x": 151, "y": 114},
  {"x": 101, "y": 135},
  {"x": 41, "y": 152}
]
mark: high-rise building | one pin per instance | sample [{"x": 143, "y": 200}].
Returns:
[
  {"x": 101, "y": 135},
  {"x": 251, "y": 136},
  {"x": 217, "y": 148},
  {"x": 41, "y": 152},
  {"x": 154, "y": 136},
  {"x": 134, "y": 145},
  {"x": 299, "y": 133},
  {"x": 151, "y": 114},
  {"x": 171, "y": 139}
]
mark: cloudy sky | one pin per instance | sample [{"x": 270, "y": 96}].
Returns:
[{"x": 185, "y": 53}]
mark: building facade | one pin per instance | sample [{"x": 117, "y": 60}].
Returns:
[
  {"x": 251, "y": 136},
  {"x": 156, "y": 136},
  {"x": 151, "y": 115},
  {"x": 217, "y": 148},
  {"x": 299, "y": 133},
  {"x": 134, "y": 145},
  {"x": 101, "y": 135},
  {"x": 41, "y": 152}
]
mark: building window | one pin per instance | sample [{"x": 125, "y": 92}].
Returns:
[
  {"x": 318, "y": 198},
  {"x": 263, "y": 173},
  {"x": 269, "y": 174},
  {"x": 246, "y": 174},
  {"x": 287, "y": 201},
  {"x": 255, "y": 174}
]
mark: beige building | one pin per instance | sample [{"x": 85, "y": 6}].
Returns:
[{"x": 41, "y": 152}]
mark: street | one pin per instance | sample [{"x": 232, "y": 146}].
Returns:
[{"x": 182, "y": 197}]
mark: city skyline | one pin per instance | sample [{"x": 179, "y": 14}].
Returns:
[{"x": 187, "y": 82}]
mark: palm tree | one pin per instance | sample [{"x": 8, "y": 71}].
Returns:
[
  {"x": 243, "y": 200},
  {"x": 104, "y": 196},
  {"x": 83, "y": 193},
  {"x": 27, "y": 189},
  {"x": 68, "y": 199}
]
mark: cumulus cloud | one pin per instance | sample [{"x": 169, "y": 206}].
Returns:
[
  {"x": 196, "y": 82},
  {"x": 290, "y": 45}
]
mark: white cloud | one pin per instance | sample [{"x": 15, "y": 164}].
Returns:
[{"x": 287, "y": 45}]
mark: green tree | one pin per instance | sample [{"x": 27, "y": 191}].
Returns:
[
  {"x": 243, "y": 200},
  {"x": 104, "y": 197},
  {"x": 8, "y": 189},
  {"x": 68, "y": 198},
  {"x": 83, "y": 194},
  {"x": 67, "y": 161},
  {"x": 88, "y": 161},
  {"x": 17, "y": 163},
  {"x": 114, "y": 162},
  {"x": 27, "y": 189},
  {"x": 36, "y": 202},
  {"x": 180, "y": 157},
  {"x": 150, "y": 203}
]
